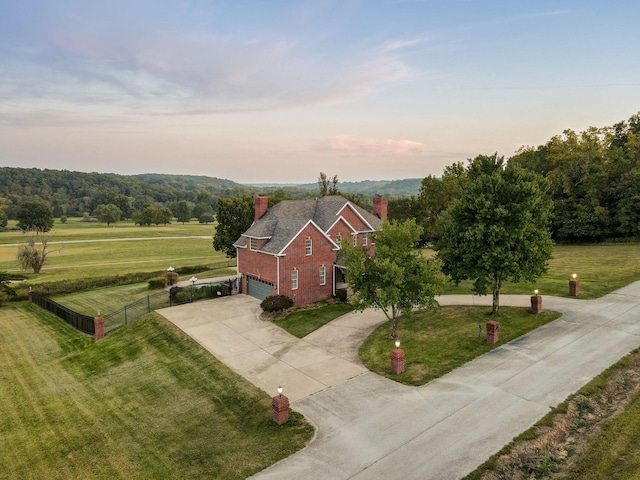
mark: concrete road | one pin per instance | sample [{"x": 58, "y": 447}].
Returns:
[{"x": 369, "y": 427}]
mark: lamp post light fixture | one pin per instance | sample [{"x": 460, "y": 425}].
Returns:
[
  {"x": 170, "y": 271},
  {"x": 397, "y": 359},
  {"x": 574, "y": 285},
  {"x": 536, "y": 302},
  {"x": 193, "y": 281},
  {"x": 280, "y": 404}
]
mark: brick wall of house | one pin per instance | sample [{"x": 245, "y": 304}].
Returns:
[
  {"x": 309, "y": 289},
  {"x": 256, "y": 264}
]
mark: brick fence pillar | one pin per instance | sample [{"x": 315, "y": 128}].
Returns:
[
  {"x": 536, "y": 303},
  {"x": 98, "y": 323},
  {"x": 574, "y": 287},
  {"x": 397, "y": 361},
  {"x": 280, "y": 406},
  {"x": 493, "y": 329}
]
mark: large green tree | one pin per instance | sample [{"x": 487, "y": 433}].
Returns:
[
  {"x": 397, "y": 279},
  {"x": 235, "y": 216},
  {"x": 34, "y": 216},
  {"x": 108, "y": 214},
  {"x": 498, "y": 230},
  {"x": 183, "y": 211}
]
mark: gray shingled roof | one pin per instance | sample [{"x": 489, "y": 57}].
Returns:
[{"x": 282, "y": 222}]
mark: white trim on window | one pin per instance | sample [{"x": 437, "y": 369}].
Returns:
[
  {"x": 323, "y": 275},
  {"x": 294, "y": 279},
  {"x": 365, "y": 239},
  {"x": 308, "y": 246},
  {"x": 253, "y": 243},
  {"x": 355, "y": 239},
  {"x": 339, "y": 240}
]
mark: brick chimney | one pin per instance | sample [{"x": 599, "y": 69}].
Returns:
[
  {"x": 262, "y": 204},
  {"x": 380, "y": 207}
]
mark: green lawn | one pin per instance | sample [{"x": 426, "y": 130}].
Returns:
[
  {"x": 436, "y": 343},
  {"x": 146, "y": 402},
  {"x": 601, "y": 269},
  {"x": 302, "y": 322}
]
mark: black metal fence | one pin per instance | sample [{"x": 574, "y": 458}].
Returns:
[
  {"x": 136, "y": 310},
  {"x": 81, "y": 322}
]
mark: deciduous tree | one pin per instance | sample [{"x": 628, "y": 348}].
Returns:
[
  {"x": 498, "y": 230},
  {"x": 107, "y": 213},
  {"x": 235, "y": 216},
  {"x": 34, "y": 216},
  {"x": 397, "y": 279}
]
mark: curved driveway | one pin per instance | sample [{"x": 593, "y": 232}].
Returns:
[{"x": 369, "y": 427}]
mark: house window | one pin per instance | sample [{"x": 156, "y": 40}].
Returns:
[
  {"x": 323, "y": 275},
  {"x": 308, "y": 246},
  {"x": 365, "y": 239},
  {"x": 253, "y": 244},
  {"x": 294, "y": 279},
  {"x": 355, "y": 239},
  {"x": 339, "y": 240}
]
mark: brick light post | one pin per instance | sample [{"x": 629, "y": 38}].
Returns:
[
  {"x": 574, "y": 286},
  {"x": 536, "y": 302},
  {"x": 493, "y": 329},
  {"x": 280, "y": 406},
  {"x": 397, "y": 359}
]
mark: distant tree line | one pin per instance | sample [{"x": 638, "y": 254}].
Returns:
[{"x": 594, "y": 185}]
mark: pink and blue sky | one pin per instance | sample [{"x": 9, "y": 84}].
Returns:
[{"x": 274, "y": 91}]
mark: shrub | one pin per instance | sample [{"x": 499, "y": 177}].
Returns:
[
  {"x": 276, "y": 303},
  {"x": 158, "y": 282},
  {"x": 341, "y": 294}
]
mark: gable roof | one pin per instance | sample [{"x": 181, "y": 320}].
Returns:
[{"x": 284, "y": 221}]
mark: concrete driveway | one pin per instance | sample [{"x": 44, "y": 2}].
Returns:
[
  {"x": 266, "y": 355},
  {"x": 369, "y": 427}
]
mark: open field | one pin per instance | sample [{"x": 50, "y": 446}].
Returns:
[
  {"x": 146, "y": 402},
  {"x": 601, "y": 269},
  {"x": 91, "y": 256}
]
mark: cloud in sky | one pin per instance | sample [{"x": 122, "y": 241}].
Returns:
[
  {"x": 244, "y": 89},
  {"x": 349, "y": 144},
  {"x": 184, "y": 60}
]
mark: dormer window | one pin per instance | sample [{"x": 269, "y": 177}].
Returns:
[
  {"x": 308, "y": 246},
  {"x": 253, "y": 244}
]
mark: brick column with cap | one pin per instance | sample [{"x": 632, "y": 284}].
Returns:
[
  {"x": 493, "y": 329},
  {"x": 98, "y": 323},
  {"x": 536, "y": 303},
  {"x": 574, "y": 287},
  {"x": 397, "y": 361},
  {"x": 280, "y": 406}
]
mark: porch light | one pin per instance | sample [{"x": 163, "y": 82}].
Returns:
[
  {"x": 279, "y": 390},
  {"x": 575, "y": 275},
  {"x": 536, "y": 291},
  {"x": 397, "y": 343}
]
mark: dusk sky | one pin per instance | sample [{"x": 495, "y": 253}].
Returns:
[{"x": 270, "y": 91}]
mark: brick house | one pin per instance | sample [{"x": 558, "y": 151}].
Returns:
[{"x": 292, "y": 247}]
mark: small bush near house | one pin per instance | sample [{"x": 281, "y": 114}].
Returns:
[
  {"x": 158, "y": 282},
  {"x": 341, "y": 294},
  {"x": 276, "y": 303}
]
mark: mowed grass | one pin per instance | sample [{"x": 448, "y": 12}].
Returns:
[
  {"x": 436, "y": 343},
  {"x": 302, "y": 322},
  {"x": 144, "y": 251},
  {"x": 75, "y": 229},
  {"x": 146, "y": 402},
  {"x": 601, "y": 269}
]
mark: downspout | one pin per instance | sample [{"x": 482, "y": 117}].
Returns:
[{"x": 278, "y": 275}]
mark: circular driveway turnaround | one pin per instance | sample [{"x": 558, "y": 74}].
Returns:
[{"x": 370, "y": 427}]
